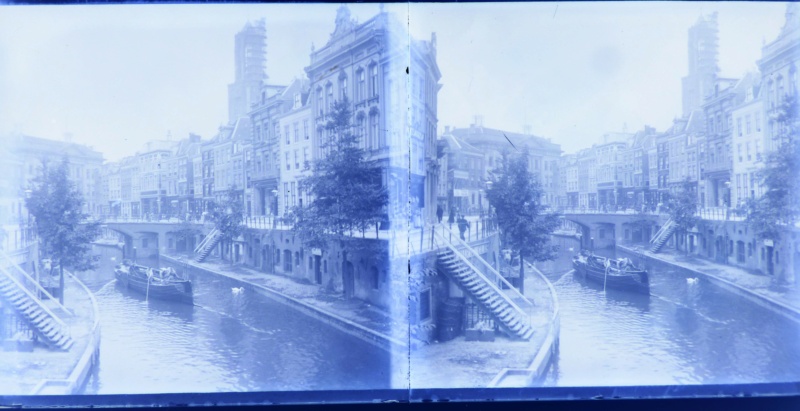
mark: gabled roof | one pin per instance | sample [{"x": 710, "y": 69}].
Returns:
[
  {"x": 57, "y": 147},
  {"x": 457, "y": 144},
  {"x": 477, "y": 135}
]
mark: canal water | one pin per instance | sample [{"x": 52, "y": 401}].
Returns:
[
  {"x": 685, "y": 332},
  {"x": 225, "y": 342}
]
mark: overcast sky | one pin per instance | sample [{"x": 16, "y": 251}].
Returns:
[{"x": 117, "y": 76}]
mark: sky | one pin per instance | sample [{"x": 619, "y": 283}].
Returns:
[{"x": 117, "y": 76}]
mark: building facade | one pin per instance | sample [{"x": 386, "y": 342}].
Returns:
[{"x": 395, "y": 115}]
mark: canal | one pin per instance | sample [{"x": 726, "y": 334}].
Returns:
[
  {"x": 685, "y": 332},
  {"x": 225, "y": 342}
]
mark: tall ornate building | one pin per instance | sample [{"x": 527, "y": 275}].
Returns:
[
  {"x": 394, "y": 103},
  {"x": 703, "y": 68}
]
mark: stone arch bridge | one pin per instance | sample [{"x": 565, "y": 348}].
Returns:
[
  {"x": 603, "y": 230},
  {"x": 143, "y": 239}
]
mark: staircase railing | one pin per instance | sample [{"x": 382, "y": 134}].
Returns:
[
  {"x": 662, "y": 231},
  {"x": 30, "y": 279},
  {"x": 489, "y": 270},
  {"x": 34, "y": 299},
  {"x": 210, "y": 237}
]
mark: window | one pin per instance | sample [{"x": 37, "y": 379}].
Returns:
[
  {"x": 373, "y": 79},
  {"x": 296, "y": 132},
  {"x": 739, "y": 149},
  {"x": 361, "y": 87},
  {"x": 744, "y": 177},
  {"x": 286, "y": 195},
  {"x": 296, "y": 159},
  {"x": 288, "y": 164},
  {"x": 305, "y": 158},
  {"x": 747, "y": 123},
  {"x": 739, "y": 125},
  {"x": 320, "y": 104},
  {"x": 305, "y": 129},
  {"x": 343, "y": 88},
  {"x": 293, "y": 193},
  {"x": 749, "y": 157},
  {"x": 286, "y": 133},
  {"x": 758, "y": 121},
  {"x": 373, "y": 131},
  {"x": 329, "y": 93}
]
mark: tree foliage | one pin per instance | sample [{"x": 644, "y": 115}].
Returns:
[
  {"x": 682, "y": 207},
  {"x": 228, "y": 216},
  {"x": 779, "y": 206},
  {"x": 346, "y": 189},
  {"x": 525, "y": 226},
  {"x": 65, "y": 231},
  {"x": 185, "y": 231}
]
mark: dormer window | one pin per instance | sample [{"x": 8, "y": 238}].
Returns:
[{"x": 297, "y": 100}]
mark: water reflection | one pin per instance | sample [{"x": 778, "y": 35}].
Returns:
[
  {"x": 225, "y": 342},
  {"x": 688, "y": 331}
]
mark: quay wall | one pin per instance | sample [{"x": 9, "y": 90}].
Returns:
[
  {"x": 762, "y": 300},
  {"x": 388, "y": 343}
]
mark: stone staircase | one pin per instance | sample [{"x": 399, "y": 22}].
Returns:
[
  {"x": 209, "y": 242},
  {"x": 508, "y": 316},
  {"x": 662, "y": 236},
  {"x": 48, "y": 328}
]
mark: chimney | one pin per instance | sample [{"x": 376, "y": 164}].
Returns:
[{"x": 447, "y": 129}]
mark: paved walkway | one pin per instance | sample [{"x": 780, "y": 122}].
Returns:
[
  {"x": 20, "y": 372},
  {"x": 759, "y": 284},
  {"x": 456, "y": 363}
]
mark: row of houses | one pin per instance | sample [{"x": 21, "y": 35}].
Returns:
[
  {"x": 276, "y": 132},
  {"x": 719, "y": 143}
]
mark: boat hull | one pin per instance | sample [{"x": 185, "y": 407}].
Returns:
[
  {"x": 180, "y": 291},
  {"x": 636, "y": 281}
]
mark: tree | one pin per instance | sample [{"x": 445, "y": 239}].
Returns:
[
  {"x": 643, "y": 222},
  {"x": 186, "y": 230},
  {"x": 66, "y": 232},
  {"x": 779, "y": 206},
  {"x": 345, "y": 187},
  {"x": 524, "y": 225},
  {"x": 682, "y": 208},
  {"x": 228, "y": 218}
]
